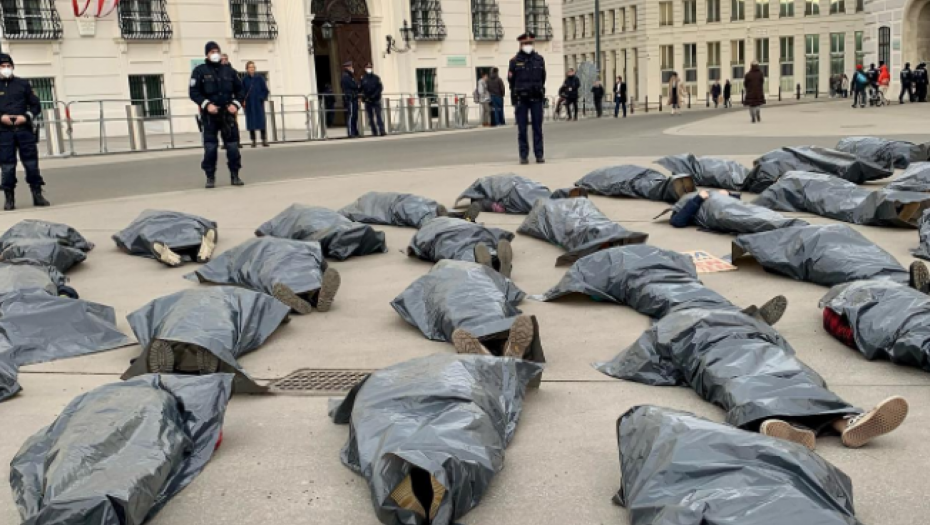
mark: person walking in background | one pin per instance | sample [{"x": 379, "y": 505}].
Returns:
[
  {"x": 527, "y": 77},
  {"x": 920, "y": 82},
  {"x": 884, "y": 80},
  {"x": 845, "y": 86},
  {"x": 256, "y": 94},
  {"x": 872, "y": 76},
  {"x": 483, "y": 97},
  {"x": 497, "y": 91},
  {"x": 350, "y": 98},
  {"x": 371, "y": 88},
  {"x": 859, "y": 84},
  {"x": 754, "y": 84},
  {"x": 619, "y": 97},
  {"x": 598, "y": 91},
  {"x": 907, "y": 84},
  {"x": 727, "y": 92},
  {"x": 715, "y": 91},
  {"x": 677, "y": 92},
  {"x": 572, "y": 86}
]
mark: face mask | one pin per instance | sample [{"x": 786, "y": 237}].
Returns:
[
  {"x": 369, "y": 70},
  {"x": 215, "y": 57},
  {"x": 6, "y": 72},
  {"x": 527, "y": 49}
]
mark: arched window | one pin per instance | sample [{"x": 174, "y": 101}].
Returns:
[{"x": 884, "y": 45}]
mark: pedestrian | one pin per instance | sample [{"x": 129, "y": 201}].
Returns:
[
  {"x": 715, "y": 91},
  {"x": 598, "y": 91},
  {"x": 907, "y": 84},
  {"x": 224, "y": 59},
  {"x": 845, "y": 86},
  {"x": 372, "y": 88},
  {"x": 860, "y": 82},
  {"x": 350, "y": 98},
  {"x": 497, "y": 92},
  {"x": 560, "y": 103},
  {"x": 754, "y": 84},
  {"x": 619, "y": 97},
  {"x": 19, "y": 107},
  {"x": 572, "y": 86},
  {"x": 217, "y": 91},
  {"x": 677, "y": 92},
  {"x": 483, "y": 97},
  {"x": 727, "y": 91},
  {"x": 256, "y": 94},
  {"x": 527, "y": 78},
  {"x": 884, "y": 80},
  {"x": 872, "y": 76},
  {"x": 328, "y": 103},
  {"x": 920, "y": 82}
]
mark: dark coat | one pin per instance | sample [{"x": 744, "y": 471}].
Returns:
[
  {"x": 349, "y": 86},
  {"x": 217, "y": 84},
  {"x": 371, "y": 87},
  {"x": 715, "y": 91},
  {"x": 726, "y": 90},
  {"x": 754, "y": 84},
  {"x": 256, "y": 93},
  {"x": 572, "y": 86},
  {"x": 496, "y": 87},
  {"x": 598, "y": 92},
  {"x": 620, "y": 91},
  {"x": 526, "y": 75},
  {"x": 18, "y": 98}
]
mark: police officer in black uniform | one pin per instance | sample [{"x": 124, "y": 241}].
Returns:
[
  {"x": 907, "y": 84},
  {"x": 19, "y": 106},
  {"x": 350, "y": 98},
  {"x": 217, "y": 91},
  {"x": 920, "y": 82},
  {"x": 527, "y": 78}
]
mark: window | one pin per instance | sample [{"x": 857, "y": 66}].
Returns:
[
  {"x": 837, "y": 7},
  {"x": 667, "y": 53},
  {"x": 786, "y": 9},
  {"x": 690, "y": 55},
  {"x": 426, "y": 82},
  {"x": 486, "y": 20},
  {"x": 144, "y": 20},
  {"x": 713, "y": 61},
  {"x": 737, "y": 10},
  {"x": 427, "y": 20},
  {"x": 581, "y": 32},
  {"x": 633, "y": 13},
  {"x": 147, "y": 92},
  {"x": 737, "y": 64},
  {"x": 884, "y": 44},
  {"x": 44, "y": 88},
  {"x": 812, "y": 8},
  {"x": 603, "y": 22},
  {"x": 666, "y": 13},
  {"x": 762, "y": 55},
  {"x": 713, "y": 11},
  {"x": 786, "y": 59},
  {"x": 837, "y": 53},
  {"x": 860, "y": 6},
  {"x": 622, "y": 19},
  {"x": 762, "y": 9},
  {"x": 537, "y": 19},
  {"x": 690, "y": 9},
  {"x": 860, "y": 52},
  {"x": 613, "y": 21},
  {"x": 812, "y": 63},
  {"x": 30, "y": 20},
  {"x": 253, "y": 19}
]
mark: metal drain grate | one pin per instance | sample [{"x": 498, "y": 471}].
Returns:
[{"x": 317, "y": 382}]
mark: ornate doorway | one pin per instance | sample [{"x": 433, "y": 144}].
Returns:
[{"x": 351, "y": 40}]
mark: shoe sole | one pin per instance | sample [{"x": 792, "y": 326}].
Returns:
[
  {"x": 207, "y": 247},
  {"x": 920, "y": 276},
  {"x": 331, "y": 283},
  {"x": 473, "y": 211},
  {"x": 682, "y": 186},
  {"x": 505, "y": 257},
  {"x": 772, "y": 311},
  {"x": 779, "y": 429},
  {"x": 886, "y": 417},
  {"x": 405, "y": 498},
  {"x": 483, "y": 255},
  {"x": 161, "y": 357},
  {"x": 908, "y": 213},
  {"x": 465, "y": 343},
  {"x": 521, "y": 337},
  {"x": 287, "y": 296},
  {"x": 577, "y": 192},
  {"x": 165, "y": 255},
  {"x": 441, "y": 211},
  {"x": 207, "y": 363}
]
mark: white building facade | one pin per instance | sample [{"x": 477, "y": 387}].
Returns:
[
  {"x": 898, "y": 31},
  {"x": 145, "y": 50}
]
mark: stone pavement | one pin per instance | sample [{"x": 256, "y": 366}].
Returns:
[{"x": 279, "y": 462}]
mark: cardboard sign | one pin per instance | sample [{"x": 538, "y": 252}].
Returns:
[{"x": 707, "y": 263}]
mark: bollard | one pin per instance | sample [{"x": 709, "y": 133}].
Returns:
[
  {"x": 274, "y": 121},
  {"x": 363, "y": 114},
  {"x": 689, "y": 100},
  {"x": 647, "y": 103},
  {"x": 388, "y": 121},
  {"x": 322, "y": 118},
  {"x": 53, "y": 135},
  {"x": 817, "y": 93},
  {"x": 799, "y": 91},
  {"x": 660, "y": 103},
  {"x": 136, "y": 128},
  {"x": 425, "y": 118},
  {"x": 632, "y": 106},
  {"x": 707, "y": 95},
  {"x": 408, "y": 117},
  {"x": 444, "y": 115}
]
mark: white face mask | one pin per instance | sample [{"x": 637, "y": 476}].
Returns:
[
  {"x": 215, "y": 57},
  {"x": 369, "y": 70},
  {"x": 6, "y": 72},
  {"x": 528, "y": 49}
]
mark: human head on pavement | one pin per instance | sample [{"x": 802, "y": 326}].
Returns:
[
  {"x": 6, "y": 65},
  {"x": 526, "y": 42},
  {"x": 212, "y": 52}
]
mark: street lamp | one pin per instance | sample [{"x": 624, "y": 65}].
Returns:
[
  {"x": 326, "y": 31},
  {"x": 406, "y": 34}
]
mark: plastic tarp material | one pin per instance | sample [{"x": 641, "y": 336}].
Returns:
[
  {"x": 450, "y": 416},
  {"x": 9, "y": 386},
  {"x": 449, "y": 238},
  {"x": 259, "y": 264},
  {"x": 915, "y": 178},
  {"x": 712, "y": 172},
  {"x": 824, "y": 255},
  {"x": 650, "y": 280},
  {"x": 680, "y": 469},
  {"x": 731, "y": 360},
  {"x": 31, "y": 229},
  {"x": 727, "y": 214},
  {"x": 636, "y": 182},
  {"x": 577, "y": 226},
  {"x": 117, "y": 454},
  {"x": 835, "y": 198},
  {"x": 774, "y": 164},
  {"x": 181, "y": 232},
  {"x": 392, "y": 209},
  {"x": 43, "y": 251},
  {"x": 923, "y": 249},
  {"x": 887, "y": 153},
  {"x": 889, "y": 320},
  {"x": 339, "y": 237},
  {"x": 25, "y": 275},
  {"x": 227, "y": 321},
  {"x": 516, "y": 194}
]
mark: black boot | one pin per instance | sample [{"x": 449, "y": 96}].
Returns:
[
  {"x": 235, "y": 180},
  {"x": 10, "y": 200},
  {"x": 38, "y": 199},
  {"x": 211, "y": 181}
]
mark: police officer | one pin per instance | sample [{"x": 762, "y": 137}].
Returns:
[
  {"x": 217, "y": 91},
  {"x": 527, "y": 78},
  {"x": 350, "y": 98},
  {"x": 19, "y": 106},
  {"x": 920, "y": 82},
  {"x": 907, "y": 83},
  {"x": 372, "y": 88}
]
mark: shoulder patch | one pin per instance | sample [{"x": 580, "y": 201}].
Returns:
[{"x": 193, "y": 82}]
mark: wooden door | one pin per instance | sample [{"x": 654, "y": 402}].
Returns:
[{"x": 353, "y": 42}]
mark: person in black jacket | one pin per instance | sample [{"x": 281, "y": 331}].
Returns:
[
  {"x": 598, "y": 91},
  {"x": 727, "y": 92},
  {"x": 619, "y": 97},
  {"x": 217, "y": 90},
  {"x": 527, "y": 77},
  {"x": 19, "y": 107},
  {"x": 572, "y": 86},
  {"x": 372, "y": 88},
  {"x": 920, "y": 82},
  {"x": 907, "y": 84},
  {"x": 350, "y": 98}
]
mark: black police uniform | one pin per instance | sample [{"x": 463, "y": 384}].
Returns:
[
  {"x": 372, "y": 88},
  {"x": 218, "y": 84},
  {"x": 907, "y": 81},
  {"x": 920, "y": 83},
  {"x": 527, "y": 78},
  {"x": 17, "y": 98},
  {"x": 350, "y": 102},
  {"x": 572, "y": 87}
]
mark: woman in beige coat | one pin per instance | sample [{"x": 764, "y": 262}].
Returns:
[{"x": 677, "y": 92}]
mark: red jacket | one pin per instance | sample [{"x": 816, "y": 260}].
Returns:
[{"x": 884, "y": 77}]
